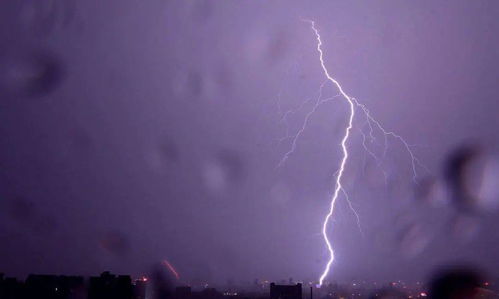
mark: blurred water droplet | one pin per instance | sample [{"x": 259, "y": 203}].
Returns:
[
  {"x": 22, "y": 210},
  {"x": 255, "y": 45},
  {"x": 400, "y": 190},
  {"x": 488, "y": 191},
  {"x": 115, "y": 242},
  {"x": 202, "y": 10},
  {"x": 38, "y": 15},
  {"x": 384, "y": 241},
  {"x": 262, "y": 47},
  {"x": 193, "y": 85},
  {"x": 42, "y": 17},
  {"x": 225, "y": 79},
  {"x": 278, "y": 47},
  {"x": 472, "y": 175},
  {"x": 29, "y": 74},
  {"x": 431, "y": 191},
  {"x": 162, "y": 157},
  {"x": 233, "y": 162},
  {"x": 404, "y": 219},
  {"x": 45, "y": 224},
  {"x": 464, "y": 227},
  {"x": 27, "y": 214},
  {"x": 80, "y": 138},
  {"x": 215, "y": 177},
  {"x": 413, "y": 240},
  {"x": 280, "y": 193},
  {"x": 77, "y": 143},
  {"x": 227, "y": 168}
]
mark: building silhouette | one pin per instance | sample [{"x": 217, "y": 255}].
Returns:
[
  {"x": 10, "y": 288},
  {"x": 182, "y": 293},
  {"x": 209, "y": 293},
  {"x": 185, "y": 292},
  {"x": 285, "y": 291},
  {"x": 54, "y": 286},
  {"x": 109, "y": 286},
  {"x": 139, "y": 289}
]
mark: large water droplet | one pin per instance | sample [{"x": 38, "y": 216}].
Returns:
[
  {"x": 472, "y": 175},
  {"x": 413, "y": 240},
  {"x": 42, "y": 17},
  {"x": 193, "y": 84},
  {"x": 225, "y": 169},
  {"x": 383, "y": 241},
  {"x": 464, "y": 227},
  {"x": 431, "y": 191},
  {"x": 280, "y": 193},
  {"x": 29, "y": 73},
  {"x": 115, "y": 242},
  {"x": 163, "y": 156},
  {"x": 262, "y": 47}
]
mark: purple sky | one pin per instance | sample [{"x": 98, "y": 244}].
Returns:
[{"x": 137, "y": 131}]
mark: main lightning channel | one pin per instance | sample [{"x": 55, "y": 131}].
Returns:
[
  {"x": 338, "y": 187},
  {"x": 372, "y": 124},
  {"x": 353, "y": 103}
]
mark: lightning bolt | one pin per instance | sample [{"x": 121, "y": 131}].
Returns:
[
  {"x": 344, "y": 159},
  {"x": 372, "y": 124},
  {"x": 352, "y": 103}
]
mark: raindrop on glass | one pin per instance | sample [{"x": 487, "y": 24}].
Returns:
[
  {"x": 163, "y": 156},
  {"x": 431, "y": 191},
  {"x": 43, "y": 17},
  {"x": 464, "y": 227},
  {"x": 472, "y": 175},
  {"x": 413, "y": 240},
  {"x": 224, "y": 170},
  {"x": 280, "y": 193},
  {"x": 29, "y": 74},
  {"x": 115, "y": 242}
]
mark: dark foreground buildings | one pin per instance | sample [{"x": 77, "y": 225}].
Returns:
[
  {"x": 105, "y": 286},
  {"x": 187, "y": 293},
  {"x": 110, "y": 286},
  {"x": 285, "y": 291},
  {"x": 42, "y": 286}
]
